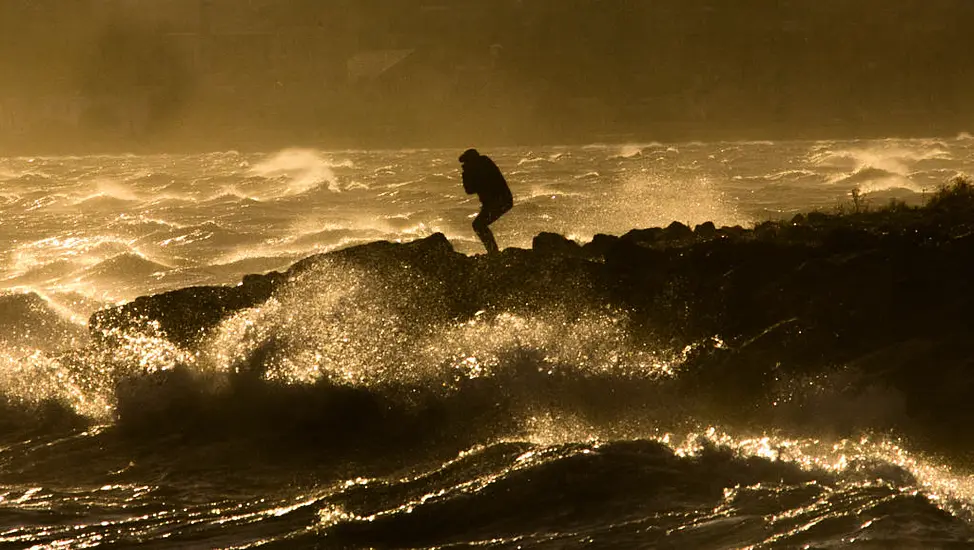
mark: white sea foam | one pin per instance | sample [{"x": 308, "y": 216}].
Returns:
[
  {"x": 301, "y": 170},
  {"x": 629, "y": 151}
]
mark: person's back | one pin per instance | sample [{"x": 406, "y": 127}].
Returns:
[{"x": 481, "y": 176}]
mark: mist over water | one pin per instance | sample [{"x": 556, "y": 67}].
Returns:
[{"x": 354, "y": 408}]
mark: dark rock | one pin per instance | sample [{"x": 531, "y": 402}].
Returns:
[
  {"x": 644, "y": 236},
  {"x": 817, "y": 218},
  {"x": 677, "y": 231},
  {"x": 706, "y": 230},
  {"x": 599, "y": 246},
  {"x": 732, "y": 232},
  {"x": 555, "y": 244},
  {"x": 766, "y": 230},
  {"x": 261, "y": 286},
  {"x": 798, "y": 233},
  {"x": 183, "y": 316},
  {"x": 849, "y": 239}
]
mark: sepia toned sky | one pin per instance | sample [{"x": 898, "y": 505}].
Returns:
[{"x": 260, "y": 73}]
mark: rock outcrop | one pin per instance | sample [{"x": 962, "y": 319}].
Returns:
[{"x": 888, "y": 294}]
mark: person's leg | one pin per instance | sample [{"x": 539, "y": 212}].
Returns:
[
  {"x": 480, "y": 227},
  {"x": 502, "y": 209},
  {"x": 489, "y": 213}
]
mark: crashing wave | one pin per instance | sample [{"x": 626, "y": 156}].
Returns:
[
  {"x": 871, "y": 180},
  {"x": 623, "y": 333}
]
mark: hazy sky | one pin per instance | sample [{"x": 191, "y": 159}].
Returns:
[{"x": 257, "y": 73}]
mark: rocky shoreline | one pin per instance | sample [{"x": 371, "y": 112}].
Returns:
[{"x": 881, "y": 299}]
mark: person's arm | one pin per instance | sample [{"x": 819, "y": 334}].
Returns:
[{"x": 469, "y": 181}]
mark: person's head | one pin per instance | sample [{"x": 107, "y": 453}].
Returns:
[{"x": 468, "y": 155}]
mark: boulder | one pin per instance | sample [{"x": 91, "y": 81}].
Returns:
[{"x": 555, "y": 244}]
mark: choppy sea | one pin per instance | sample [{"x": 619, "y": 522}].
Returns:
[{"x": 78, "y": 234}]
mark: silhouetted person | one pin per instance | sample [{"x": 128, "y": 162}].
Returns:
[{"x": 483, "y": 177}]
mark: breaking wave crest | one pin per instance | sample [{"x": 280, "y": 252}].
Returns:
[{"x": 294, "y": 171}]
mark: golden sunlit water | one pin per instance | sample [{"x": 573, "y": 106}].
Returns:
[{"x": 354, "y": 407}]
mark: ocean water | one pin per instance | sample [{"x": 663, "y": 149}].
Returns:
[{"x": 373, "y": 431}]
